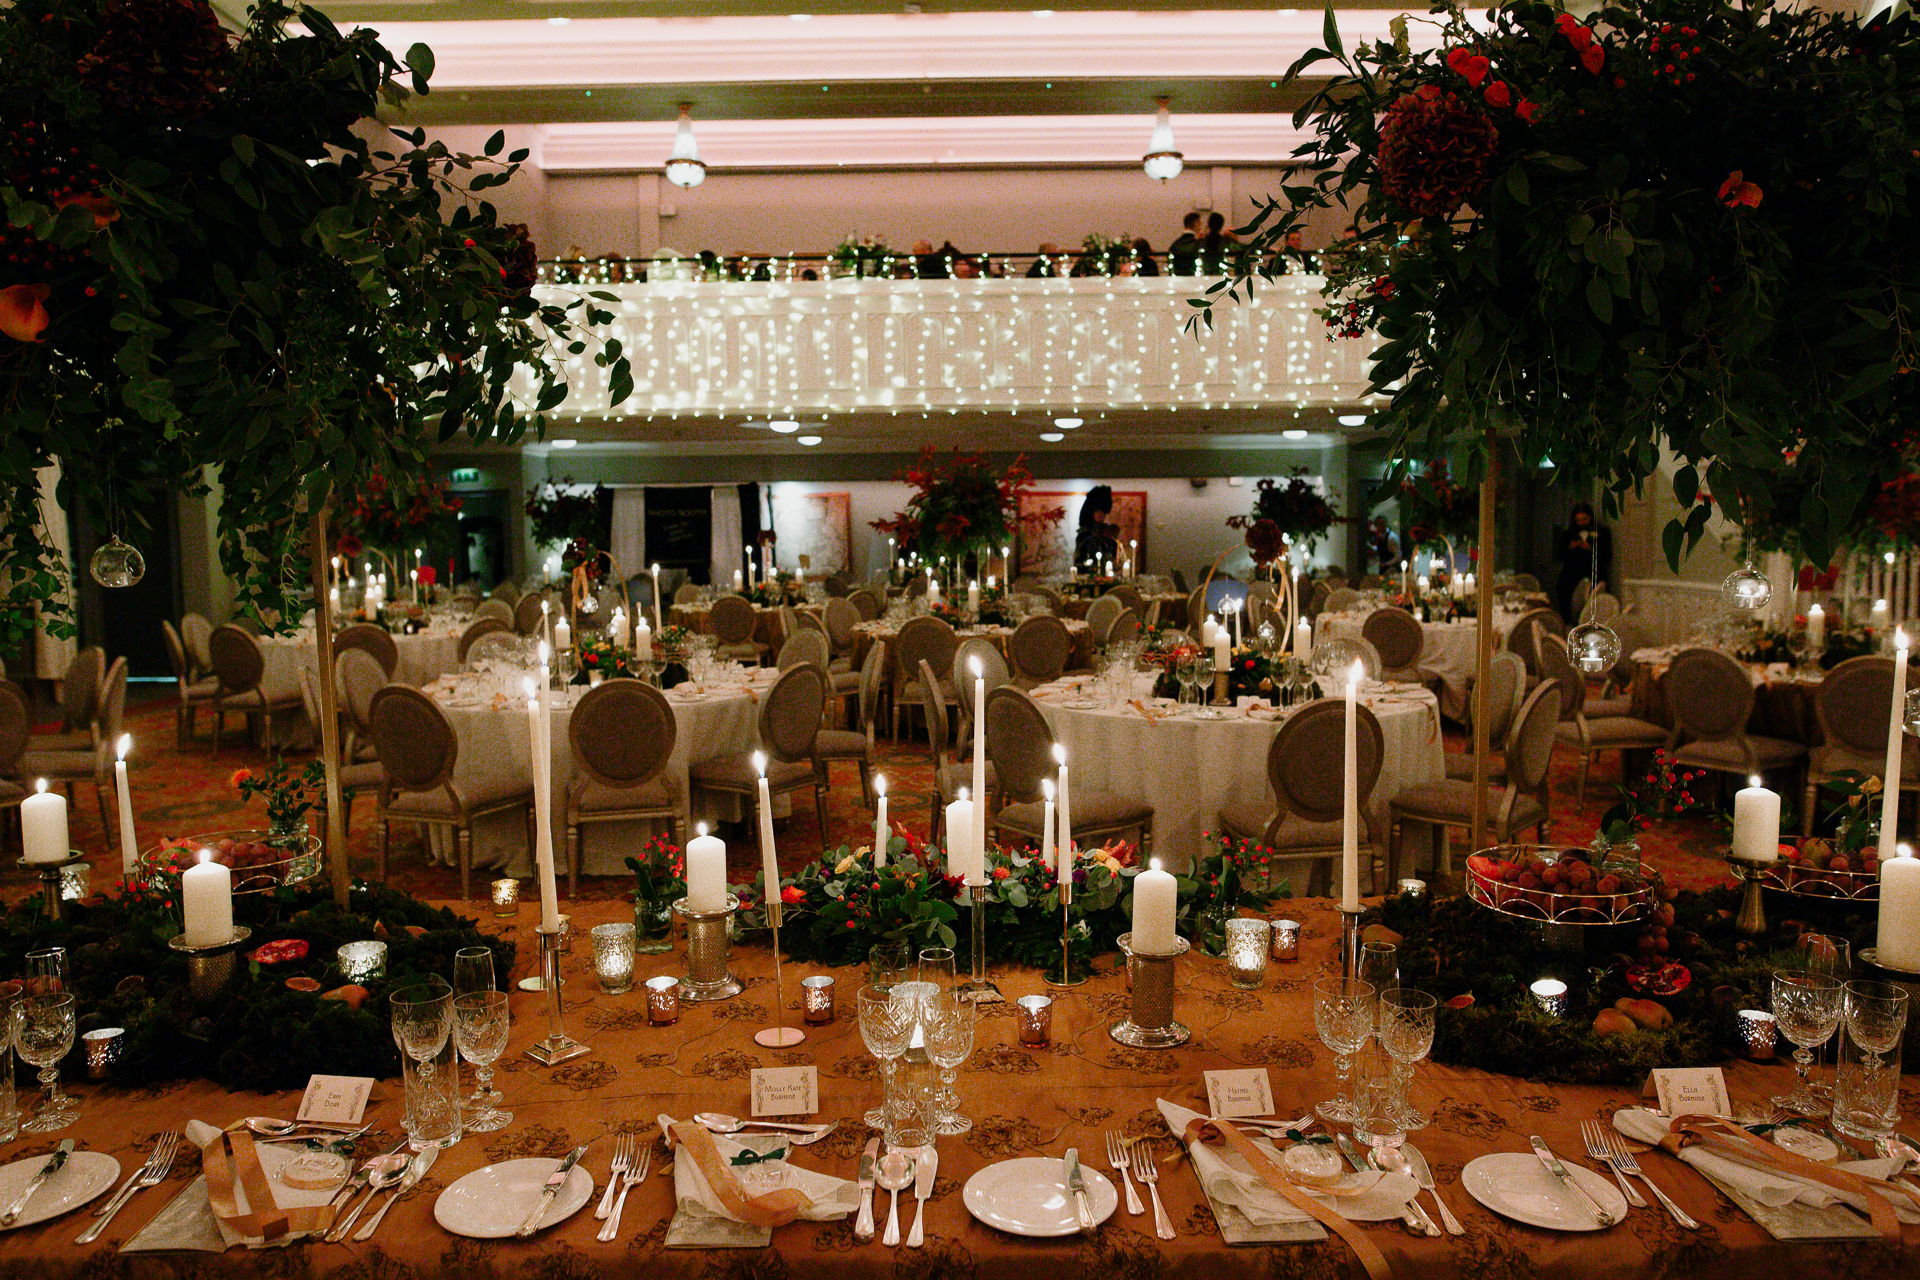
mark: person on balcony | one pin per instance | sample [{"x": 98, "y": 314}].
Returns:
[
  {"x": 1183, "y": 255},
  {"x": 1043, "y": 268}
]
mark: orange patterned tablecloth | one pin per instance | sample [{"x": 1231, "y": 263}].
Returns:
[{"x": 1023, "y": 1101}]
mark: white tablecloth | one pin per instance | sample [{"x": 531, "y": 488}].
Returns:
[
  {"x": 494, "y": 746},
  {"x": 1448, "y": 650},
  {"x": 425, "y": 656},
  {"x": 1189, "y": 769}
]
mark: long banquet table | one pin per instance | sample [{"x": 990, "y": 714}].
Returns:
[{"x": 1023, "y": 1101}]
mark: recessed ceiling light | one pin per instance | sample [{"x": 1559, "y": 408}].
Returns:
[
  {"x": 565, "y": 444},
  {"x": 801, "y": 17},
  {"x": 785, "y": 426},
  {"x": 1068, "y": 424},
  {"x": 1353, "y": 419},
  {"x": 1053, "y": 437},
  {"x": 809, "y": 441},
  {"x": 1043, "y": 13},
  {"x": 1293, "y": 435},
  {"x": 558, "y": 22}
]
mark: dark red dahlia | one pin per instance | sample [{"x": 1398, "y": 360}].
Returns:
[
  {"x": 158, "y": 57},
  {"x": 1435, "y": 153}
]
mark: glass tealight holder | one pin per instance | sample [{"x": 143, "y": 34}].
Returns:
[
  {"x": 1035, "y": 1016},
  {"x": 1551, "y": 995},
  {"x": 1286, "y": 940},
  {"x": 816, "y": 999},
  {"x": 1757, "y": 1032},
  {"x": 103, "y": 1050},
  {"x": 613, "y": 957},
  {"x": 506, "y": 899},
  {"x": 362, "y": 961},
  {"x": 76, "y": 881},
  {"x": 1411, "y": 888},
  {"x": 663, "y": 1000},
  {"x": 1246, "y": 953}
]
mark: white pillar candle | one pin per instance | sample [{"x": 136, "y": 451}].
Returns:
[
  {"x": 1222, "y": 655},
  {"x": 979, "y": 855},
  {"x": 736, "y": 580},
  {"x": 129, "y": 844},
  {"x": 43, "y": 825},
  {"x": 1756, "y": 823},
  {"x": 1878, "y": 616},
  {"x": 1896, "y": 725},
  {"x": 1155, "y": 900},
  {"x": 1047, "y": 792},
  {"x": 1897, "y": 942},
  {"x": 643, "y": 638},
  {"x": 706, "y": 872},
  {"x": 1303, "y": 640},
  {"x": 1207, "y": 628},
  {"x": 562, "y": 636},
  {"x": 933, "y": 588},
  {"x": 973, "y": 597},
  {"x": 1350, "y": 800},
  {"x": 1816, "y": 627},
  {"x": 880, "y": 829},
  {"x": 658, "y": 625},
  {"x": 542, "y": 817},
  {"x": 769, "y": 855},
  {"x": 1421, "y": 582},
  {"x": 206, "y": 902},
  {"x": 960, "y": 838}
]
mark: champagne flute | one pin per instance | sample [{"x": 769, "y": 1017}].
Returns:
[
  {"x": 1379, "y": 966},
  {"x": 1807, "y": 1009},
  {"x": 886, "y": 964},
  {"x": 1343, "y": 1016},
  {"x": 481, "y": 1022},
  {"x": 1406, "y": 1033},
  {"x": 47, "y": 971},
  {"x": 43, "y": 1030},
  {"x": 949, "y": 1035}
]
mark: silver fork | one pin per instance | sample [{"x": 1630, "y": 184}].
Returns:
[
  {"x": 1148, "y": 1172},
  {"x": 151, "y": 1174},
  {"x": 636, "y": 1171},
  {"x": 1601, "y": 1150},
  {"x": 622, "y": 1161},
  {"x": 1117, "y": 1157},
  {"x": 1627, "y": 1162}
]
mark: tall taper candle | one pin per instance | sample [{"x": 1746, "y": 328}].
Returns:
[
  {"x": 1896, "y": 726},
  {"x": 1350, "y": 800},
  {"x": 129, "y": 845},
  {"x": 979, "y": 855},
  {"x": 43, "y": 825},
  {"x": 658, "y": 625},
  {"x": 1064, "y": 847},
  {"x": 1897, "y": 943},
  {"x": 542, "y": 818},
  {"x": 880, "y": 830},
  {"x": 769, "y": 856},
  {"x": 706, "y": 872},
  {"x": 1047, "y": 792}
]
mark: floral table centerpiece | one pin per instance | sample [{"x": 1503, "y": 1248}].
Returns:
[
  {"x": 961, "y": 509},
  {"x": 1284, "y": 512},
  {"x": 290, "y": 796},
  {"x": 659, "y": 879}
]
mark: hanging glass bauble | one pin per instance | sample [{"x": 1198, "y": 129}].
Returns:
[
  {"x": 1747, "y": 588},
  {"x": 1913, "y": 711},
  {"x": 116, "y": 564},
  {"x": 1334, "y": 658},
  {"x": 1594, "y": 648}
]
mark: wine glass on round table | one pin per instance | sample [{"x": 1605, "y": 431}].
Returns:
[
  {"x": 1343, "y": 1016},
  {"x": 1807, "y": 1008},
  {"x": 886, "y": 1025},
  {"x": 480, "y": 1026},
  {"x": 43, "y": 1030}
]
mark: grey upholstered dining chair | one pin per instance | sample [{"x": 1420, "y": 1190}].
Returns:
[
  {"x": 1341, "y": 600},
  {"x": 195, "y": 632},
  {"x": 1506, "y": 681},
  {"x": 869, "y": 603},
  {"x": 377, "y": 641},
  {"x": 1020, "y": 745},
  {"x": 484, "y": 625},
  {"x": 357, "y": 676},
  {"x": 418, "y": 751},
  {"x": 993, "y": 669},
  {"x": 804, "y": 646},
  {"x": 79, "y": 702},
  {"x": 1522, "y": 636},
  {"x": 191, "y": 694},
  {"x": 1398, "y": 638},
  {"x": 1851, "y": 704},
  {"x": 1124, "y": 627},
  {"x": 1305, "y": 763},
  {"x": 1040, "y": 648},
  {"x": 356, "y": 776},
  {"x": 505, "y": 591},
  {"x": 1591, "y": 735},
  {"x": 857, "y": 744},
  {"x": 733, "y": 620},
  {"x": 927, "y": 639},
  {"x": 1711, "y": 698},
  {"x": 15, "y": 723},
  {"x": 92, "y": 759},
  {"x": 949, "y": 775},
  {"x": 239, "y": 666},
  {"x": 495, "y": 607},
  {"x": 527, "y": 614},
  {"x": 1101, "y": 613},
  {"x": 790, "y": 714},
  {"x": 622, "y": 734},
  {"x": 842, "y": 621}
]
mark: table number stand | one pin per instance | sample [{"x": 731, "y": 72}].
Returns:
[
  {"x": 780, "y": 1035},
  {"x": 978, "y": 988},
  {"x": 558, "y": 1046}
]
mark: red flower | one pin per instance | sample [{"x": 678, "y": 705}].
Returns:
[
  {"x": 1736, "y": 191},
  {"x": 1477, "y": 68},
  {"x": 427, "y": 577},
  {"x": 1498, "y": 94},
  {"x": 1594, "y": 57},
  {"x": 239, "y": 776},
  {"x": 1427, "y": 92},
  {"x": 1434, "y": 155},
  {"x": 22, "y": 317},
  {"x": 1000, "y": 873},
  {"x": 1524, "y": 109},
  {"x": 791, "y": 895}
]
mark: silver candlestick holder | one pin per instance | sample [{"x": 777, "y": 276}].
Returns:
[
  {"x": 558, "y": 1046},
  {"x": 210, "y": 965},
  {"x": 978, "y": 988},
  {"x": 1350, "y": 942},
  {"x": 1150, "y": 1023},
  {"x": 709, "y": 948},
  {"x": 49, "y": 873}
]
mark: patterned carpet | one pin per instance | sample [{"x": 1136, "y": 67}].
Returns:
[{"x": 180, "y": 791}]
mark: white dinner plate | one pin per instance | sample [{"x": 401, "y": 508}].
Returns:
[
  {"x": 1029, "y": 1197},
  {"x": 85, "y": 1175},
  {"x": 1079, "y": 704},
  {"x": 1516, "y": 1185},
  {"x": 491, "y": 1202}
]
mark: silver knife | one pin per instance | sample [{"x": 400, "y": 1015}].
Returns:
[
  {"x": 554, "y": 1182},
  {"x": 47, "y": 1170},
  {"x": 869, "y": 1158},
  {"x": 1345, "y": 1146},
  {"x": 1078, "y": 1185},
  {"x": 1558, "y": 1170}
]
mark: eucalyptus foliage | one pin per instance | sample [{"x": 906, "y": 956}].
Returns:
[{"x": 245, "y": 278}]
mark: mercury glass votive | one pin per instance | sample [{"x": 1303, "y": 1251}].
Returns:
[
  {"x": 76, "y": 882},
  {"x": 506, "y": 899},
  {"x": 103, "y": 1050},
  {"x": 1246, "y": 953},
  {"x": 1286, "y": 940},
  {"x": 613, "y": 957},
  {"x": 1757, "y": 1034},
  {"x": 1551, "y": 995},
  {"x": 663, "y": 1000},
  {"x": 1035, "y": 1014},
  {"x": 362, "y": 961},
  {"x": 1412, "y": 888},
  {"x": 816, "y": 998}
]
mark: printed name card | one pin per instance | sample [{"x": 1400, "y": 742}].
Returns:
[
  {"x": 335, "y": 1099},
  {"x": 786, "y": 1091},
  {"x": 1239, "y": 1093},
  {"x": 1690, "y": 1091}
]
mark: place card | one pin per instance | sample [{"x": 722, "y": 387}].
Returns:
[
  {"x": 335, "y": 1099},
  {"x": 1690, "y": 1091},
  {"x": 785, "y": 1091},
  {"x": 1239, "y": 1093}
]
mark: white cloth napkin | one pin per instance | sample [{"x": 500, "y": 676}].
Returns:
[
  {"x": 202, "y": 1135},
  {"x": 1226, "y": 1177},
  {"x": 832, "y": 1197},
  {"x": 1768, "y": 1186}
]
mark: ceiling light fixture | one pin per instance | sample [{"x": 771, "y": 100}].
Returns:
[
  {"x": 801, "y": 17},
  {"x": 1293, "y": 435},
  {"x": 1068, "y": 424},
  {"x": 565, "y": 444},
  {"x": 785, "y": 426},
  {"x": 685, "y": 168},
  {"x": 1353, "y": 419},
  {"x": 1162, "y": 160},
  {"x": 1053, "y": 437},
  {"x": 809, "y": 441},
  {"x": 558, "y": 22}
]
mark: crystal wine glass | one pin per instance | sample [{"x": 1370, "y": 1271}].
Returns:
[
  {"x": 1203, "y": 680},
  {"x": 1185, "y": 675},
  {"x": 1829, "y": 956},
  {"x": 1406, "y": 1033},
  {"x": 43, "y": 1029},
  {"x": 422, "y": 1022},
  {"x": 886, "y": 964},
  {"x": 886, "y": 1025},
  {"x": 949, "y": 1023},
  {"x": 1876, "y": 1014},
  {"x": 47, "y": 971},
  {"x": 1343, "y": 1015},
  {"x": 1807, "y": 1009},
  {"x": 1379, "y": 967},
  {"x": 480, "y": 1025}
]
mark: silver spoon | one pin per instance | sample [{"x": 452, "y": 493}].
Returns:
[
  {"x": 382, "y": 1172},
  {"x": 273, "y": 1127},
  {"x": 719, "y": 1122},
  {"x": 896, "y": 1174}
]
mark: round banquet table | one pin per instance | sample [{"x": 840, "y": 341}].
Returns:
[
  {"x": 1783, "y": 696},
  {"x": 1189, "y": 768},
  {"x": 767, "y": 628},
  {"x": 425, "y": 656},
  {"x": 492, "y": 731},
  {"x": 1448, "y": 650}
]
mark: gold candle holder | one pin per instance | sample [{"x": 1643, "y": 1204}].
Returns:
[
  {"x": 816, "y": 999},
  {"x": 663, "y": 1000},
  {"x": 1246, "y": 953},
  {"x": 506, "y": 899},
  {"x": 709, "y": 950},
  {"x": 1035, "y": 1017},
  {"x": 1286, "y": 940}
]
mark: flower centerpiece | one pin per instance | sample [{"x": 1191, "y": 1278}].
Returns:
[
  {"x": 290, "y": 796},
  {"x": 783, "y": 589},
  {"x": 1763, "y": 643},
  {"x": 962, "y": 507},
  {"x": 1437, "y": 511},
  {"x": 859, "y": 255},
  {"x": 573, "y": 516},
  {"x": 1666, "y": 790},
  {"x": 659, "y": 879},
  {"x": 600, "y": 656},
  {"x": 390, "y": 518},
  {"x": 1286, "y": 511}
]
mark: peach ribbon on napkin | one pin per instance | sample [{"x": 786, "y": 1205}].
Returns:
[
  {"x": 231, "y": 1157},
  {"x": 771, "y": 1209},
  {"x": 1724, "y": 1135}
]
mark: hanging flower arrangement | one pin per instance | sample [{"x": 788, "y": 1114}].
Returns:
[
  {"x": 1436, "y": 510},
  {"x": 962, "y": 505},
  {"x": 1290, "y": 509}
]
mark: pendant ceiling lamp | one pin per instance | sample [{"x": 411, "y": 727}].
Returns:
[
  {"x": 1163, "y": 160},
  {"x": 685, "y": 168}
]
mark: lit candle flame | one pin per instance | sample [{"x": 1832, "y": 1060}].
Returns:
[
  {"x": 1046, "y": 789},
  {"x": 880, "y": 784},
  {"x": 123, "y": 746},
  {"x": 760, "y": 763}
]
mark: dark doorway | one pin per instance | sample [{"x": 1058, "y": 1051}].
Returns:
[
  {"x": 680, "y": 530},
  {"x": 480, "y": 550}
]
